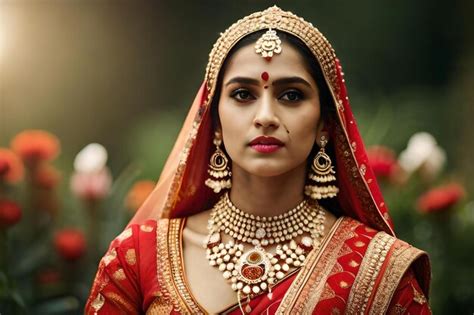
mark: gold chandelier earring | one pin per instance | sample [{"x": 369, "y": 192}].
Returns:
[
  {"x": 219, "y": 170},
  {"x": 322, "y": 171}
]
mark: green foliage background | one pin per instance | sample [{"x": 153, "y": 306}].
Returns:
[{"x": 123, "y": 73}]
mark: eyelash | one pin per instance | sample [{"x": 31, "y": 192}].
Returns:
[{"x": 237, "y": 92}]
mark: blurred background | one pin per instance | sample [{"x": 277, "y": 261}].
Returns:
[{"x": 124, "y": 73}]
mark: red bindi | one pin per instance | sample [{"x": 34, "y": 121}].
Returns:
[
  {"x": 265, "y": 76},
  {"x": 265, "y": 87}
]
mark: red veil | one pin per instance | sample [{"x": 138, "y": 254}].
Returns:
[{"x": 181, "y": 191}]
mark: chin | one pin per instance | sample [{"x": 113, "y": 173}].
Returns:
[{"x": 266, "y": 169}]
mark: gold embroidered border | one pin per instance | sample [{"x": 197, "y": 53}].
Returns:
[
  {"x": 163, "y": 271},
  {"x": 177, "y": 270},
  {"x": 402, "y": 257},
  {"x": 358, "y": 182},
  {"x": 368, "y": 272},
  {"x": 305, "y": 290}
]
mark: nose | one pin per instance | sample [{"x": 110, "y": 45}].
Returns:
[{"x": 266, "y": 116}]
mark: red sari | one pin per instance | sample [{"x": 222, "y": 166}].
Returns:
[
  {"x": 143, "y": 273},
  {"x": 361, "y": 266}
]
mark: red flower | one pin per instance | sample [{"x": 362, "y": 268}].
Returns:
[
  {"x": 11, "y": 167},
  {"x": 47, "y": 176},
  {"x": 36, "y": 145},
  {"x": 383, "y": 161},
  {"x": 70, "y": 244},
  {"x": 440, "y": 198},
  {"x": 10, "y": 213},
  {"x": 138, "y": 194}
]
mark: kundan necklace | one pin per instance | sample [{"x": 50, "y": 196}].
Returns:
[{"x": 251, "y": 271}]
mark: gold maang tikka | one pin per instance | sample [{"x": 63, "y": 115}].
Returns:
[{"x": 268, "y": 44}]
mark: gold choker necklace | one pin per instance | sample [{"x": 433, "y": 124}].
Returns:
[{"x": 254, "y": 270}]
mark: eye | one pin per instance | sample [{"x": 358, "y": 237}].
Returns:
[
  {"x": 242, "y": 95},
  {"x": 291, "y": 96}
]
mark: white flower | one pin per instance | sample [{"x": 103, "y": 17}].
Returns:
[
  {"x": 423, "y": 153},
  {"x": 92, "y": 185},
  {"x": 92, "y": 158}
]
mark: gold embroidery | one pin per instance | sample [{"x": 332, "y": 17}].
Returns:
[
  {"x": 353, "y": 263},
  {"x": 124, "y": 235},
  {"x": 400, "y": 260},
  {"x": 174, "y": 243},
  {"x": 169, "y": 264},
  {"x": 305, "y": 291},
  {"x": 367, "y": 201},
  {"x": 159, "y": 307},
  {"x": 111, "y": 255},
  {"x": 359, "y": 244},
  {"x": 121, "y": 302},
  {"x": 399, "y": 309},
  {"x": 163, "y": 270},
  {"x": 335, "y": 311},
  {"x": 119, "y": 275},
  {"x": 369, "y": 270},
  {"x": 418, "y": 297},
  {"x": 98, "y": 302},
  {"x": 344, "y": 284},
  {"x": 130, "y": 257},
  {"x": 146, "y": 228}
]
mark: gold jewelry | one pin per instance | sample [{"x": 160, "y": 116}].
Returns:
[
  {"x": 218, "y": 169},
  {"x": 322, "y": 172},
  {"x": 255, "y": 270},
  {"x": 272, "y": 18},
  {"x": 268, "y": 44}
]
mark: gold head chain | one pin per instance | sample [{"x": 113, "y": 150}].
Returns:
[{"x": 272, "y": 19}]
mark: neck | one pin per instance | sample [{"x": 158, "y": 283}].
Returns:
[{"x": 267, "y": 196}]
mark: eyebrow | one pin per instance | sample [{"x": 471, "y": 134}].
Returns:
[
  {"x": 281, "y": 81},
  {"x": 243, "y": 80}
]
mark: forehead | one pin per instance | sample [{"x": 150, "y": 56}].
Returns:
[{"x": 246, "y": 62}]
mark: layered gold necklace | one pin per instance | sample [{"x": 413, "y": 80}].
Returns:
[{"x": 254, "y": 270}]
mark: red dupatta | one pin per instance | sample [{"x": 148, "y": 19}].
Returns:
[{"x": 181, "y": 191}]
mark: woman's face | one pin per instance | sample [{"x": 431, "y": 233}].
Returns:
[{"x": 277, "y": 100}]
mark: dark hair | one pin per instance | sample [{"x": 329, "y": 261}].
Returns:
[{"x": 325, "y": 99}]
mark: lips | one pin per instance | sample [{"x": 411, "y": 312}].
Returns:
[
  {"x": 262, "y": 140},
  {"x": 264, "y": 144}
]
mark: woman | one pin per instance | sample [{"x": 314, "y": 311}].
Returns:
[{"x": 266, "y": 204}]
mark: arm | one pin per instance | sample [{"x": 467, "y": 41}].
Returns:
[
  {"x": 408, "y": 297},
  {"x": 116, "y": 288}
]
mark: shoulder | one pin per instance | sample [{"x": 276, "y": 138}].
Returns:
[{"x": 384, "y": 261}]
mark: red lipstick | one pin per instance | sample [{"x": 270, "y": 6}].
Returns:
[{"x": 265, "y": 144}]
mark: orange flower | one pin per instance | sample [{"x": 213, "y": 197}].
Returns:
[
  {"x": 440, "y": 198},
  {"x": 36, "y": 145},
  {"x": 138, "y": 194},
  {"x": 11, "y": 167},
  {"x": 70, "y": 244},
  {"x": 383, "y": 161},
  {"x": 10, "y": 213},
  {"x": 47, "y": 176}
]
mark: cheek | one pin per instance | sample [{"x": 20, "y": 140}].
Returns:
[
  {"x": 232, "y": 123},
  {"x": 303, "y": 127}
]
